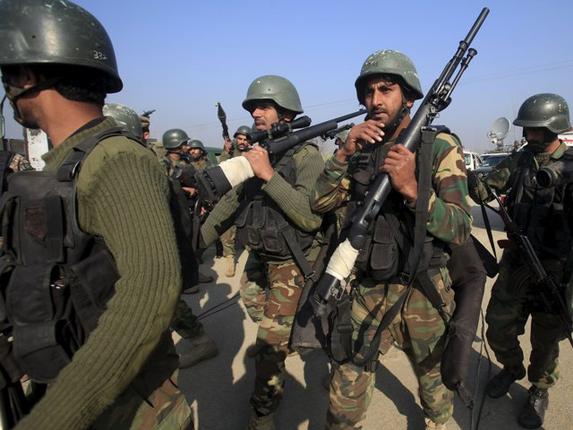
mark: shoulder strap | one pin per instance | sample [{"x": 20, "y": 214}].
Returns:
[{"x": 70, "y": 166}]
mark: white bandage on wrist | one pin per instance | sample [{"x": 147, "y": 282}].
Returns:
[{"x": 237, "y": 170}]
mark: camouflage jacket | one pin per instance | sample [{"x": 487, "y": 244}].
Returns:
[
  {"x": 226, "y": 155},
  {"x": 449, "y": 211},
  {"x": 544, "y": 214},
  {"x": 502, "y": 176},
  {"x": 201, "y": 164},
  {"x": 170, "y": 164}
]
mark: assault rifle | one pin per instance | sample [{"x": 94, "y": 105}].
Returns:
[
  {"x": 332, "y": 134},
  {"x": 552, "y": 293},
  {"x": 282, "y": 144},
  {"x": 215, "y": 181},
  {"x": 437, "y": 99},
  {"x": 148, "y": 113}
]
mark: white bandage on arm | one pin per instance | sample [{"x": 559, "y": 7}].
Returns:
[{"x": 237, "y": 170}]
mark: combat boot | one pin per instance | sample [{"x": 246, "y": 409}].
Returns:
[
  {"x": 431, "y": 425},
  {"x": 533, "y": 412},
  {"x": 498, "y": 386},
  {"x": 201, "y": 348},
  {"x": 265, "y": 422},
  {"x": 230, "y": 269}
]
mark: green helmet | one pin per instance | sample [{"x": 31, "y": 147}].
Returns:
[
  {"x": 174, "y": 138},
  {"x": 275, "y": 88},
  {"x": 244, "y": 129},
  {"x": 55, "y": 32},
  {"x": 389, "y": 62},
  {"x": 196, "y": 144},
  {"x": 544, "y": 110},
  {"x": 126, "y": 117}
]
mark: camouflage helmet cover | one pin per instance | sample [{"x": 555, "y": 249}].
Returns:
[
  {"x": 126, "y": 117},
  {"x": 389, "y": 62},
  {"x": 56, "y": 32},
  {"x": 174, "y": 138},
  {"x": 544, "y": 110},
  {"x": 276, "y": 88}
]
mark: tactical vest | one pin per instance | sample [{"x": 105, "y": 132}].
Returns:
[
  {"x": 384, "y": 257},
  {"x": 262, "y": 225},
  {"x": 543, "y": 213},
  {"x": 56, "y": 279}
]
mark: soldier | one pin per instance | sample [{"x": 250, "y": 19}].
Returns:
[
  {"x": 173, "y": 141},
  {"x": 185, "y": 323},
  {"x": 240, "y": 145},
  {"x": 387, "y": 86},
  {"x": 126, "y": 118},
  {"x": 96, "y": 252},
  {"x": 198, "y": 155},
  {"x": 544, "y": 214},
  {"x": 276, "y": 224}
]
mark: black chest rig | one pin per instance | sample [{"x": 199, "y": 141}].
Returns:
[
  {"x": 388, "y": 246},
  {"x": 55, "y": 279},
  {"x": 261, "y": 224},
  {"x": 544, "y": 212}
]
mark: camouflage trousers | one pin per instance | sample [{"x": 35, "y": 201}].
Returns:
[
  {"x": 418, "y": 329},
  {"x": 165, "y": 409},
  {"x": 185, "y": 323},
  {"x": 514, "y": 297},
  {"x": 270, "y": 292},
  {"x": 228, "y": 241}
]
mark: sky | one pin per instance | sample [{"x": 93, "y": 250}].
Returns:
[{"x": 180, "y": 57}]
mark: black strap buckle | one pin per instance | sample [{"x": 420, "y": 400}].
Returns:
[{"x": 404, "y": 278}]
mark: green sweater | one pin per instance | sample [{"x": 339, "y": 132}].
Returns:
[
  {"x": 122, "y": 197},
  {"x": 294, "y": 201}
]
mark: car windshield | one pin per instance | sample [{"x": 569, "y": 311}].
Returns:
[
  {"x": 468, "y": 159},
  {"x": 492, "y": 160}
]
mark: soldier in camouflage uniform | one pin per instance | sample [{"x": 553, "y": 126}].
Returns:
[
  {"x": 198, "y": 155},
  {"x": 239, "y": 145},
  {"x": 387, "y": 86},
  {"x": 270, "y": 209},
  {"x": 173, "y": 140},
  {"x": 545, "y": 214}
]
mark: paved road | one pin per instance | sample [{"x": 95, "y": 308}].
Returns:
[{"x": 219, "y": 389}]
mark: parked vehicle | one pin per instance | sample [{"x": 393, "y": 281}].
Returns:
[
  {"x": 489, "y": 161},
  {"x": 472, "y": 160}
]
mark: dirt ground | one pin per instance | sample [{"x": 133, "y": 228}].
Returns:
[{"x": 219, "y": 389}]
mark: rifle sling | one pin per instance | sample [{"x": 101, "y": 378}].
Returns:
[{"x": 421, "y": 216}]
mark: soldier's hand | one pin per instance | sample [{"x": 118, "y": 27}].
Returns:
[
  {"x": 400, "y": 164},
  {"x": 367, "y": 133},
  {"x": 190, "y": 190},
  {"x": 258, "y": 158}
]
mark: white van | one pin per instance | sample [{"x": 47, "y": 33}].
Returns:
[{"x": 472, "y": 160}]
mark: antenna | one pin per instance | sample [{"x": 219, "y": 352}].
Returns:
[{"x": 498, "y": 131}]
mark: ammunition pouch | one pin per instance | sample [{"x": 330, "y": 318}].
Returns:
[
  {"x": 261, "y": 224},
  {"x": 56, "y": 279}
]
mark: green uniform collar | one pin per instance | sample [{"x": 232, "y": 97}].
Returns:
[{"x": 56, "y": 156}]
